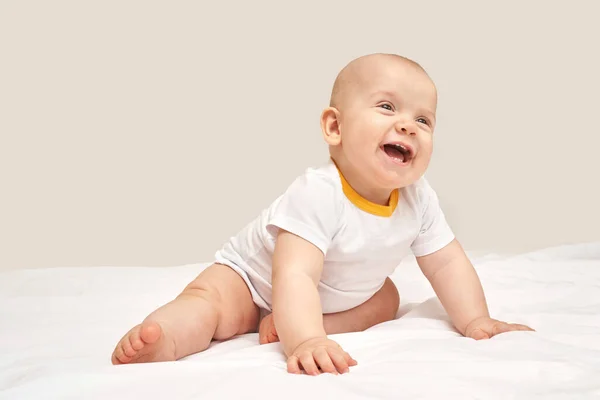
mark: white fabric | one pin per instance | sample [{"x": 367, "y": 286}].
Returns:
[
  {"x": 360, "y": 249},
  {"x": 58, "y": 328}
]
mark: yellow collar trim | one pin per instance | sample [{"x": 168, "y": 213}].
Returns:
[{"x": 366, "y": 205}]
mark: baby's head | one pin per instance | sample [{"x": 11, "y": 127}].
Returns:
[{"x": 380, "y": 123}]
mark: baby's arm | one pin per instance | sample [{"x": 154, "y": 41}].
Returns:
[
  {"x": 457, "y": 285},
  {"x": 297, "y": 267}
]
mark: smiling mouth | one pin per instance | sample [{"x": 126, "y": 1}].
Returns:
[{"x": 398, "y": 152}]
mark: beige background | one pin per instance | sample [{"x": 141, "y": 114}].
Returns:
[{"x": 147, "y": 133}]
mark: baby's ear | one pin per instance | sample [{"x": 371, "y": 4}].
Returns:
[{"x": 330, "y": 125}]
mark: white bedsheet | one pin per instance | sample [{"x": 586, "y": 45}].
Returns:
[{"x": 59, "y": 326}]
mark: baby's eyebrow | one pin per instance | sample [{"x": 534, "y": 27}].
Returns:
[
  {"x": 428, "y": 113},
  {"x": 383, "y": 93}
]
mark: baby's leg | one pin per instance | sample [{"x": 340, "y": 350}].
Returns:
[
  {"x": 382, "y": 307},
  {"x": 217, "y": 304}
]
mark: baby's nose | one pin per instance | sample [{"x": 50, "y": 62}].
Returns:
[{"x": 406, "y": 127}]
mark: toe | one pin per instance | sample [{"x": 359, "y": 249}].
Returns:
[
  {"x": 272, "y": 338},
  {"x": 120, "y": 355},
  {"x": 127, "y": 349},
  {"x": 135, "y": 340},
  {"x": 150, "y": 332},
  {"x": 262, "y": 339}
]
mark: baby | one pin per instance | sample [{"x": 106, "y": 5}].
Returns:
[{"x": 319, "y": 257}]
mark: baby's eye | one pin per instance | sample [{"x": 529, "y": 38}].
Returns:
[
  {"x": 423, "y": 121},
  {"x": 387, "y": 106}
]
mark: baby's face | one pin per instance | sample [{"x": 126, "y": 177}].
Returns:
[{"x": 386, "y": 123}]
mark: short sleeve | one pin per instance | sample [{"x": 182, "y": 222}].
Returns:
[
  {"x": 435, "y": 233},
  {"x": 309, "y": 208}
]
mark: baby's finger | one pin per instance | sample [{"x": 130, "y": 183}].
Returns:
[
  {"x": 500, "y": 327},
  {"x": 351, "y": 361},
  {"x": 308, "y": 363},
  {"x": 478, "y": 334},
  {"x": 339, "y": 360},
  {"x": 324, "y": 361},
  {"x": 292, "y": 365},
  {"x": 519, "y": 327}
]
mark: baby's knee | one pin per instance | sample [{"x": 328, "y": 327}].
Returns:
[
  {"x": 229, "y": 299},
  {"x": 203, "y": 293}
]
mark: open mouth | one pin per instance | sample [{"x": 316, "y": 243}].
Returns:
[{"x": 399, "y": 152}]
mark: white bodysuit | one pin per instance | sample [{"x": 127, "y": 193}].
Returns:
[{"x": 362, "y": 242}]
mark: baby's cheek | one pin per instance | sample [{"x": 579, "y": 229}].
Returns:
[
  {"x": 362, "y": 142},
  {"x": 422, "y": 160}
]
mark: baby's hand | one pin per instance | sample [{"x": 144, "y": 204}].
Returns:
[
  {"x": 485, "y": 328},
  {"x": 322, "y": 353}
]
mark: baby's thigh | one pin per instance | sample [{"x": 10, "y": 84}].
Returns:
[{"x": 229, "y": 294}]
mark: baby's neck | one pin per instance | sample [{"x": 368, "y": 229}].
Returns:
[{"x": 374, "y": 195}]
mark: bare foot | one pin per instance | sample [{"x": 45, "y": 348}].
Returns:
[
  {"x": 266, "y": 331},
  {"x": 146, "y": 342}
]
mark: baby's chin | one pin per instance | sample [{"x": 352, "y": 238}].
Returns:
[{"x": 397, "y": 181}]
